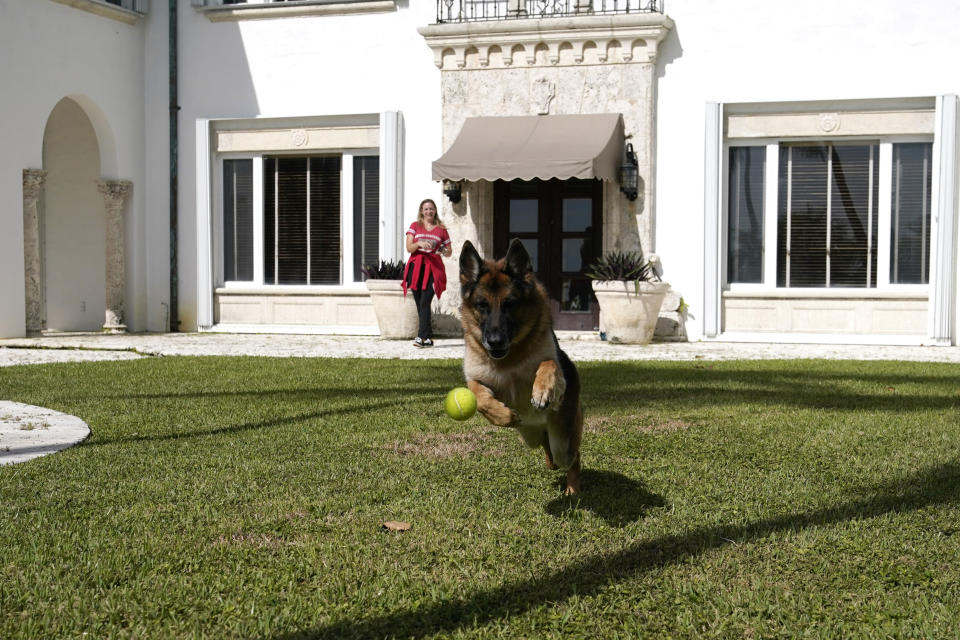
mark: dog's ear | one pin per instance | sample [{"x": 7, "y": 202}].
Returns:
[
  {"x": 518, "y": 260},
  {"x": 470, "y": 265}
]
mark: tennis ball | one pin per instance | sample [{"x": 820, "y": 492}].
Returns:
[{"x": 460, "y": 403}]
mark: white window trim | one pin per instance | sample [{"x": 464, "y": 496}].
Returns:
[
  {"x": 346, "y": 224},
  {"x": 770, "y": 213},
  {"x": 943, "y": 274},
  {"x": 209, "y": 201},
  {"x": 944, "y": 306}
]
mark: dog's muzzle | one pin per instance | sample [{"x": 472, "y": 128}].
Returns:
[{"x": 497, "y": 352}]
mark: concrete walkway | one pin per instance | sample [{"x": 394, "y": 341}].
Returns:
[
  {"x": 87, "y": 346},
  {"x": 27, "y": 432}
]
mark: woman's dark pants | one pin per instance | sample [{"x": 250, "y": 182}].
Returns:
[{"x": 423, "y": 297}]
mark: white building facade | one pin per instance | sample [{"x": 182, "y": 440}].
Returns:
[{"x": 797, "y": 172}]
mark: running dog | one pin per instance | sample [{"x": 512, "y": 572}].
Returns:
[{"x": 513, "y": 362}]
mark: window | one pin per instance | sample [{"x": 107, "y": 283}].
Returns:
[
  {"x": 827, "y": 212},
  {"x": 910, "y": 214},
  {"x": 301, "y": 220},
  {"x": 366, "y": 213},
  {"x": 293, "y": 222},
  {"x": 827, "y": 216},
  {"x": 238, "y": 220},
  {"x": 745, "y": 230}
]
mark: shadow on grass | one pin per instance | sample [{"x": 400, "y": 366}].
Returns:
[
  {"x": 246, "y": 426},
  {"x": 358, "y": 405},
  {"x": 845, "y": 387},
  {"x": 617, "y": 499},
  {"x": 934, "y": 486}
]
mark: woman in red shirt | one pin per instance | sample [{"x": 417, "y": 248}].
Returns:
[{"x": 427, "y": 240}]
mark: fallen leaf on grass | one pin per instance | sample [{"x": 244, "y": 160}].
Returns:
[{"x": 393, "y": 525}]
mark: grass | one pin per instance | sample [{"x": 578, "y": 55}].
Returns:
[{"x": 244, "y": 497}]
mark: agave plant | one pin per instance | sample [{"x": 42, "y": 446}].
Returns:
[
  {"x": 386, "y": 270},
  {"x": 629, "y": 267}
]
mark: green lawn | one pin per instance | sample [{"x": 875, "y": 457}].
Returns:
[{"x": 244, "y": 497}]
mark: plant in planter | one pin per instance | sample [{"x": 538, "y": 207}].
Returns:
[
  {"x": 396, "y": 313},
  {"x": 630, "y": 295},
  {"x": 386, "y": 270}
]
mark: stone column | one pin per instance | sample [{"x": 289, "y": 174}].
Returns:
[
  {"x": 33, "y": 180},
  {"x": 114, "y": 194}
]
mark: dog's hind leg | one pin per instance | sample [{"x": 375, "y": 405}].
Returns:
[
  {"x": 549, "y": 456},
  {"x": 573, "y": 477}
]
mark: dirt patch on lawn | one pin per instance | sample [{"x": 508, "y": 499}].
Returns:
[
  {"x": 443, "y": 446},
  {"x": 254, "y": 541}
]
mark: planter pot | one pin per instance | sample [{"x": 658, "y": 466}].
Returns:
[
  {"x": 396, "y": 313},
  {"x": 628, "y": 314}
]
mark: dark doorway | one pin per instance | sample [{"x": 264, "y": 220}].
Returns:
[{"x": 559, "y": 223}]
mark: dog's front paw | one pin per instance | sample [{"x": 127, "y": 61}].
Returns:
[
  {"x": 548, "y": 387},
  {"x": 548, "y": 393},
  {"x": 546, "y": 398}
]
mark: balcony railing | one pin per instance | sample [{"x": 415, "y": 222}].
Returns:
[{"x": 485, "y": 10}]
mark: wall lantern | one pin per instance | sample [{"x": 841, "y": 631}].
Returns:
[
  {"x": 451, "y": 189},
  {"x": 629, "y": 174}
]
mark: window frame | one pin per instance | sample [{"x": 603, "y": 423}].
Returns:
[
  {"x": 768, "y": 284},
  {"x": 258, "y": 284}
]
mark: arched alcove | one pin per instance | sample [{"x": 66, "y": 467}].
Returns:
[{"x": 73, "y": 224}]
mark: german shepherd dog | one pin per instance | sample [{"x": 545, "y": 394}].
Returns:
[{"x": 513, "y": 363}]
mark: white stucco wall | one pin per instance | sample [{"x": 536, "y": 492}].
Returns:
[
  {"x": 753, "y": 51},
  {"x": 306, "y": 66},
  {"x": 51, "y": 51},
  {"x": 761, "y": 51}
]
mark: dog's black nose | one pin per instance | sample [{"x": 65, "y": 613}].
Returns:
[{"x": 496, "y": 343}]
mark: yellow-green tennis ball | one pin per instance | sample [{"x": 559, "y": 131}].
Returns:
[{"x": 460, "y": 403}]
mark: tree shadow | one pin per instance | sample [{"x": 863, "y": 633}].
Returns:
[
  {"x": 937, "y": 485},
  {"x": 614, "y": 497}
]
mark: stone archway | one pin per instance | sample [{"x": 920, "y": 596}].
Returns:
[
  {"x": 72, "y": 225},
  {"x": 74, "y": 232}
]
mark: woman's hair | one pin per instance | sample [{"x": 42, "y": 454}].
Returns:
[{"x": 420, "y": 212}]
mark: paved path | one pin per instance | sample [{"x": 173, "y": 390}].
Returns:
[
  {"x": 81, "y": 347},
  {"x": 27, "y": 432}
]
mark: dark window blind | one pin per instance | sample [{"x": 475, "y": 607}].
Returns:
[
  {"x": 291, "y": 221},
  {"x": 910, "y": 213},
  {"x": 366, "y": 213},
  {"x": 745, "y": 214},
  {"x": 325, "y": 220},
  {"x": 827, "y": 216},
  {"x": 853, "y": 216},
  {"x": 301, "y": 204},
  {"x": 238, "y": 220}
]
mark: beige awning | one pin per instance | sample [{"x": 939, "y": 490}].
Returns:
[{"x": 528, "y": 147}]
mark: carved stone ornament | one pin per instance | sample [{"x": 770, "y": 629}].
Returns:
[
  {"x": 299, "y": 137},
  {"x": 829, "y": 122},
  {"x": 33, "y": 182},
  {"x": 114, "y": 192},
  {"x": 543, "y": 93}
]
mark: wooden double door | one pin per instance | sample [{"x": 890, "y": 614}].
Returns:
[{"x": 559, "y": 222}]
